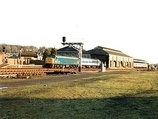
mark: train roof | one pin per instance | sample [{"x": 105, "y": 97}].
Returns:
[
  {"x": 139, "y": 61},
  {"x": 59, "y": 56}
]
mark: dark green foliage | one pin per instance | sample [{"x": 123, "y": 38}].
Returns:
[
  {"x": 49, "y": 52},
  {"x": 46, "y": 53},
  {"x": 103, "y": 108},
  {"x": 53, "y": 51}
]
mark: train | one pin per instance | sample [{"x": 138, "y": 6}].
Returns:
[
  {"x": 140, "y": 64},
  {"x": 57, "y": 61}
]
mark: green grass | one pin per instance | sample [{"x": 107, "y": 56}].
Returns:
[{"x": 114, "y": 95}]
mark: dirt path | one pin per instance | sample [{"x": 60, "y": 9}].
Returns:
[{"x": 46, "y": 79}]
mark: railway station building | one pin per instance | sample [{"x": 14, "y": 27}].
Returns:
[{"x": 110, "y": 57}]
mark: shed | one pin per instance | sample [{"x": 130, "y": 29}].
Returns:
[{"x": 111, "y": 57}]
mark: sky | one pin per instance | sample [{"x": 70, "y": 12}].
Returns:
[{"x": 130, "y": 26}]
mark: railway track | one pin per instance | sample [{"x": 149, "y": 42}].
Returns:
[
  {"x": 28, "y": 72},
  {"x": 20, "y": 72}
]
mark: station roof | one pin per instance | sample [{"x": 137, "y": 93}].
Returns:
[{"x": 106, "y": 51}]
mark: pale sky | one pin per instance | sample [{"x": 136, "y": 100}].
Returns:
[{"x": 130, "y": 26}]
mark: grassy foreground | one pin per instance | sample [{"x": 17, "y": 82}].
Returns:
[{"x": 115, "y": 95}]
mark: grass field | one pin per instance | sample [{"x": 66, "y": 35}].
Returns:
[{"x": 112, "y": 95}]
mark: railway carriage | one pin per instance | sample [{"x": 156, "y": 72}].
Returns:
[
  {"x": 88, "y": 62},
  {"x": 140, "y": 64}
]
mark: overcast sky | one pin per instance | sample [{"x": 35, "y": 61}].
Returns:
[{"x": 130, "y": 26}]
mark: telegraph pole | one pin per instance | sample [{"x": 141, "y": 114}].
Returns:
[
  {"x": 80, "y": 44},
  {"x": 4, "y": 50}
]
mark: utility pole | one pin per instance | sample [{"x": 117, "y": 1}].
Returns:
[
  {"x": 80, "y": 44},
  {"x": 20, "y": 62},
  {"x": 4, "y": 51}
]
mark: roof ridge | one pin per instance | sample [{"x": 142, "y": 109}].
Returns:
[{"x": 110, "y": 49}]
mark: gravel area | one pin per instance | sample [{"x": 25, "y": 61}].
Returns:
[{"x": 46, "y": 79}]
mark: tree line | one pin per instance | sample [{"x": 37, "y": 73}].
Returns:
[{"x": 6, "y": 48}]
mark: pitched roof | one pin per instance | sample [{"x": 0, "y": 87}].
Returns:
[
  {"x": 106, "y": 51},
  {"x": 68, "y": 49},
  {"x": 28, "y": 54},
  {"x": 14, "y": 56}
]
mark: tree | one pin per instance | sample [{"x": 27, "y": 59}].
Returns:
[
  {"x": 46, "y": 53},
  {"x": 53, "y": 51},
  {"x": 14, "y": 49},
  {"x": 49, "y": 52},
  {"x": 32, "y": 48},
  {"x": 7, "y": 49},
  {"x": 1, "y": 48},
  {"x": 41, "y": 49}
]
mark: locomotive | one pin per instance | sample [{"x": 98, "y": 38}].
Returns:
[{"x": 57, "y": 61}]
